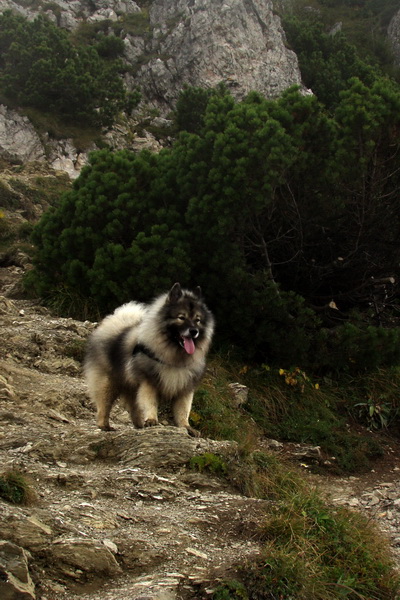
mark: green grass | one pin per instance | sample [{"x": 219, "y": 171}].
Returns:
[
  {"x": 208, "y": 462},
  {"x": 54, "y": 125},
  {"x": 326, "y": 413},
  {"x": 66, "y": 301},
  {"x": 135, "y": 23},
  {"x": 311, "y": 550},
  {"x": 315, "y": 551}
]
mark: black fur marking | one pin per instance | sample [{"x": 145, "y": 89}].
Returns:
[
  {"x": 116, "y": 352},
  {"x": 142, "y": 349}
]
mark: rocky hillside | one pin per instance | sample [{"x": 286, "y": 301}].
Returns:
[
  {"x": 201, "y": 42},
  {"x": 115, "y": 515},
  {"x": 120, "y": 514},
  {"x": 167, "y": 44}
]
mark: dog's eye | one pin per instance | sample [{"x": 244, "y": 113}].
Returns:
[
  {"x": 197, "y": 320},
  {"x": 181, "y": 317}
]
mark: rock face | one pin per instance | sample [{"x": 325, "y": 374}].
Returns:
[
  {"x": 19, "y": 141},
  {"x": 394, "y": 36},
  {"x": 194, "y": 42},
  {"x": 204, "y": 42}
]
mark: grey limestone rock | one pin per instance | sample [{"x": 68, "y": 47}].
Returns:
[
  {"x": 19, "y": 141},
  {"x": 203, "y": 43},
  {"x": 394, "y": 35}
]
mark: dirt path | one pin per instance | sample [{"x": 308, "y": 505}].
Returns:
[{"x": 118, "y": 515}]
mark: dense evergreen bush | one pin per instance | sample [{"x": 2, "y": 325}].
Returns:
[
  {"x": 40, "y": 67},
  {"x": 110, "y": 238},
  {"x": 352, "y": 347},
  {"x": 326, "y": 61},
  {"x": 274, "y": 207}
]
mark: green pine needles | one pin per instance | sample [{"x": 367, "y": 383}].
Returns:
[
  {"x": 261, "y": 206},
  {"x": 41, "y": 68}
]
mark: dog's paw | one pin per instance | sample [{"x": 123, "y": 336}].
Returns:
[
  {"x": 150, "y": 423},
  {"x": 106, "y": 428},
  {"x": 193, "y": 432}
]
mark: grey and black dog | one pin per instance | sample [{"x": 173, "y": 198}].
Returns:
[{"x": 150, "y": 353}]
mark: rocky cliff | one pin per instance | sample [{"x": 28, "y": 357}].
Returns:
[
  {"x": 394, "y": 36},
  {"x": 195, "y": 42},
  {"x": 203, "y": 42},
  {"x": 168, "y": 45}
]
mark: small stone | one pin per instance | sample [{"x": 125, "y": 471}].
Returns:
[
  {"x": 354, "y": 502},
  {"x": 111, "y": 546},
  {"x": 197, "y": 553},
  {"x": 374, "y": 501}
]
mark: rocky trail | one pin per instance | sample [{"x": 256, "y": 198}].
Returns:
[{"x": 118, "y": 514}]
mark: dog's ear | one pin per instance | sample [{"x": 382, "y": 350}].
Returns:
[
  {"x": 175, "y": 293},
  {"x": 197, "y": 292}
]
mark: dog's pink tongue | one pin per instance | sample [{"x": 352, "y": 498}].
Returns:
[{"x": 188, "y": 344}]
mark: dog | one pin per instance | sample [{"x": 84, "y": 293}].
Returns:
[{"x": 148, "y": 354}]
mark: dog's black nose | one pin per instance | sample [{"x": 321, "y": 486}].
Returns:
[{"x": 194, "y": 332}]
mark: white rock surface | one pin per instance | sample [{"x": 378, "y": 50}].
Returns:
[
  {"x": 19, "y": 141},
  {"x": 204, "y": 42}
]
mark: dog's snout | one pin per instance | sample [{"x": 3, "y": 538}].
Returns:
[{"x": 194, "y": 332}]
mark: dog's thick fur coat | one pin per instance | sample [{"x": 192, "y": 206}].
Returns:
[{"x": 145, "y": 354}]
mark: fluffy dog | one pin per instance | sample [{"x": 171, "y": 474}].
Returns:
[{"x": 150, "y": 353}]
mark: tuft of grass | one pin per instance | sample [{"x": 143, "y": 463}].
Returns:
[
  {"x": 214, "y": 412},
  {"x": 76, "y": 349},
  {"x": 66, "y": 301},
  {"x": 209, "y": 462},
  {"x": 316, "y": 551},
  {"x": 15, "y": 488},
  {"x": 312, "y": 550},
  {"x": 261, "y": 475},
  {"x": 230, "y": 590},
  {"x": 55, "y": 126}
]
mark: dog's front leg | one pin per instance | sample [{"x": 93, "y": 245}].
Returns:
[
  {"x": 181, "y": 411},
  {"x": 144, "y": 411}
]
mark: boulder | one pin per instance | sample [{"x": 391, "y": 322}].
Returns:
[
  {"x": 15, "y": 580},
  {"x": 19, "y": 142}
]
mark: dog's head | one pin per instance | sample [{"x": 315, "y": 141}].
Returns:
[{"x": 187, "y": 319}]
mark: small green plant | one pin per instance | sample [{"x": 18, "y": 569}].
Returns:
[
  {"x": 375, "y": 413},
  {"x": 230, "y": 590},
  {"x": 208, "y": 462},
  {"x": 15, "y": 488},
  {"x": 297, "y": 378}
]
